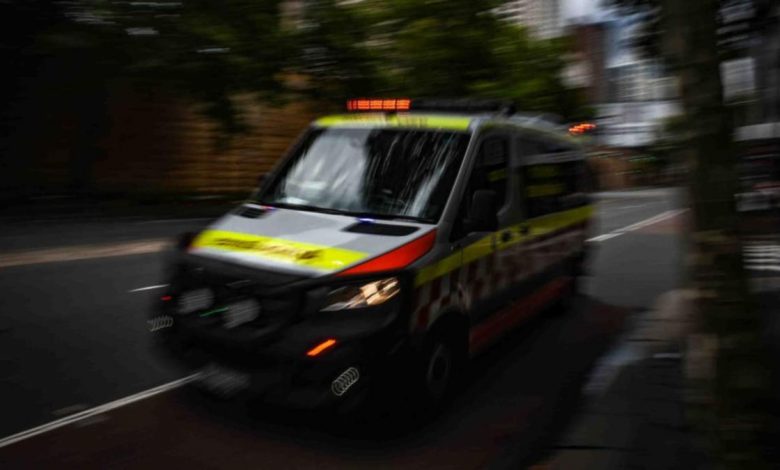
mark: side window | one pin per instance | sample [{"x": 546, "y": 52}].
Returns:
[
  {"x": 543, "y": 186},
  {"x": 554, "y": 186},
  {"x": 492, "y": 163},
  {"x": 490, "y": 171}
]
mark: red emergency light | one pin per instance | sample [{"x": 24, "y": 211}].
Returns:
[
  {"x": 374, "y": 104},
  {"x": 582, "y": 128}
]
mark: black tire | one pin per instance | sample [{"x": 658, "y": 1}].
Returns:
[
  {"x": 566, "y": 301},
  {"x": 441, "y": 367}
]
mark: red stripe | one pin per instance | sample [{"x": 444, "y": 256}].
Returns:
[
  {"x": 399, "y": 258},
  {"x": 504, "y": 320}
]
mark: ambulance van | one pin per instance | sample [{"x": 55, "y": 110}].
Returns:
[{"x": 391, "y": 245}]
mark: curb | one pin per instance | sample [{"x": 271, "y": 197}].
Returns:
[
  {"x": 666, "y": 325},
  {"x": 604, "y": 434}
]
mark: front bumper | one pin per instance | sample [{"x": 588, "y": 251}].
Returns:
[
  {"x": 280, "y": 372},
  {"x": 269, "y": 354}
]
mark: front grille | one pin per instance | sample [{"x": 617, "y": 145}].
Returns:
[{"x": 242, "y": 327}]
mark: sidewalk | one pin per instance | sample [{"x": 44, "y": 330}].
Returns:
[
  {"x": 638, "y": 423},
  {"x": 634, "y": 414}
]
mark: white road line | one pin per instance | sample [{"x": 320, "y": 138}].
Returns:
[
  {"x": 641, "y": 224},
  {"x": 602, "y": 238},
  {"x": 141, "y": 289},
  {"x": 619, "y": 211},
  {"x": 7, "y": 441},
  {"x": 652, "y": 220}
]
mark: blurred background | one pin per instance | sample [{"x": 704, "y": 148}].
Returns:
[{"x": 125, "y": 123}]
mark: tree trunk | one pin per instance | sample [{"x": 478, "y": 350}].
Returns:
[{"x": 724, "y": 310}]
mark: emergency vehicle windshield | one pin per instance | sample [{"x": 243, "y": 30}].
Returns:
[{"x": 382, "y": 173}]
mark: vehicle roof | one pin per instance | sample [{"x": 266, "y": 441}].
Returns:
[{"x": 446, "y": 121}]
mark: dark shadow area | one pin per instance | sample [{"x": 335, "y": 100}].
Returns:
[{"x": 518, "y": 397}]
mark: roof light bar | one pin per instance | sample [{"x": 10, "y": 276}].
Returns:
[
  {"x": 443, "y": 105},
  {"x": 374, "y": 104}
]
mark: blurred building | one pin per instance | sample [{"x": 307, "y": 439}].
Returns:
[
  {"x": 633, "y": 95},
  {"x": 752, "y": 84},
  {"x": 754, "y": 79},
  {"x": 543, "y": 18},
  {"x": 588, "y": 64}
]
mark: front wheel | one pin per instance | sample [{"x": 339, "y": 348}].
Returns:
[
  {"x": 439, "y": 371},
  {"x": 441, "y": 368}
]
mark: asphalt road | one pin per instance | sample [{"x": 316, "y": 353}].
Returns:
[{"x": 73, "y": 336}]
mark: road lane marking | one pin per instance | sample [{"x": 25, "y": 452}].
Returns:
[
  {"x": 141, "y": 289},
  {"x": 618, "y": 211},
  {"x": 604, "y": 237},
  {"x": 51, "y": 426},
  {"x": 636, "y": 226},
  {"x": 82, "y": 252},
  {"x": 652, "y": 220}
]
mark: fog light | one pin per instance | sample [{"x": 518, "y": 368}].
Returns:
[
  {"x": 343, "y": 382},
  {"x": 241, "y": 312},
  {"x": 195, "y": 300}
]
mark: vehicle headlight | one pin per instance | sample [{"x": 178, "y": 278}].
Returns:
[{"x": 367, "y": 295}]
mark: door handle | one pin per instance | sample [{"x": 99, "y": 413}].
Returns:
[
  {"x": 506, "y": 236},
  {"x": 524, "y": 229}
]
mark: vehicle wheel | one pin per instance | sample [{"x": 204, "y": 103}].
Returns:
[
  {"x": 566, "y": 300},
  {"x": 442, "y": 367}
]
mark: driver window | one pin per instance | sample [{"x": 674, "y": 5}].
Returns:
[{"x": 490, "y": 172}]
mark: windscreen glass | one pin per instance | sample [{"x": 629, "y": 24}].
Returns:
[{"x": 391, "y": 173}]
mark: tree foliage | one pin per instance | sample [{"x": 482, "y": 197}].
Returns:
[
  {"x": 206, "y": 50},
  {"x": 212, "y": 51},
  {"x": 437, "y": 48}
]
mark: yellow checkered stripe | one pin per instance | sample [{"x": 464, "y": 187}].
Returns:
[
  {"x": 537, "y": 227},
  {"x": 395, "y": 120},
  {"x": 276, "y": 249}
]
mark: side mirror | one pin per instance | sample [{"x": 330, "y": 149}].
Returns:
[{"x": 484, "y": 211}]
